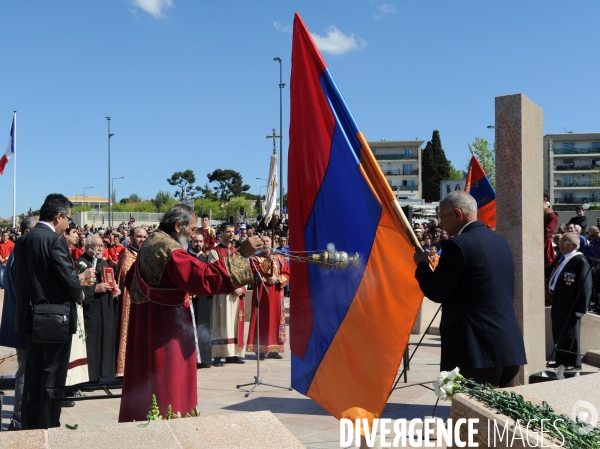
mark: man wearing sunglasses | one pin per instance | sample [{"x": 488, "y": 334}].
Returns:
[{"x": 45, "y": 275}]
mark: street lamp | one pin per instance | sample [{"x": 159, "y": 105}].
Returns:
[
  {"x": 83, "y": 204},
  {"x": 281, "y": 86},
  {"x": 113, "y": 186},
  {"x": 109, "y": 136}
]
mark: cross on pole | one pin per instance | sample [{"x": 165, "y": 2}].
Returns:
[{"x": 274, "y": 136}]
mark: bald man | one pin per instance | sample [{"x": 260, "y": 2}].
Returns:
[
  {"x": 474, "y": 282},
  {"x": 571, "y": 288}
]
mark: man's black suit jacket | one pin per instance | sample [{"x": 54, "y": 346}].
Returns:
[
  {"x": 45, "y": 275},
  {"x": 474, "y": 282},
  {"x": 574, "y": 285}
]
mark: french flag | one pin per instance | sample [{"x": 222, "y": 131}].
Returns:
[{"x": 10, "y": 149}]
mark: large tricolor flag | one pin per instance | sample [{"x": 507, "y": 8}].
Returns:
[
  {"x": 480, "y": 188},
  {"x": 10, "y": 149},
  {"x": 349, "y": 328}
]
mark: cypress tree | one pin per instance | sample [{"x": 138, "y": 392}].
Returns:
[{"x": 435, "y": 168}]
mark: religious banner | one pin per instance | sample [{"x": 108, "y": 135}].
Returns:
[
  {"x": 349, "y": 328},
  {"x": 271, "y": 198},
  {"x": 480, "y": 188}
]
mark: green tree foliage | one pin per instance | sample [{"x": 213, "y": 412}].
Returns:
[
  {"x": 184, "y": 180},
  {"x": 229, "y": 184},
  {"x": 258, "y": 205},
  {"x": 85, "y": 208},
  {"x": 142, "y": 206},
  {"x": 435, "y": 168},
  {"x": 595, "y": 176},
  {"x": 455, "y": 173},
  {"x": 232, "y": 208},
  {"x": 487, "y": 158},
  {"x": 221, "y": 210},
  {"x": 209, "y": 206},
  {"x": 161, "y": 200},
  {"x": 134, "y": 198}
]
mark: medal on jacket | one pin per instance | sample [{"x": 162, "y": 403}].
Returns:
[{"x": 569, "y": 278}]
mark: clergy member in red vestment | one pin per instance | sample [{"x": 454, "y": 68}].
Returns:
[
  {"x": 275, "y": 273},
  {"x": 122, "y": 307},
  {"x": 210, "y": 235},
  {"x": 227, "y": 318},
  {"x": 161, "y": 354}
]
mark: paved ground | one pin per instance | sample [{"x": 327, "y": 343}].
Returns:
[{"x": 217, "y": 394}]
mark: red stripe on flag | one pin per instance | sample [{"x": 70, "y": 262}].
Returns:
[{"x": 3, "y": 163}]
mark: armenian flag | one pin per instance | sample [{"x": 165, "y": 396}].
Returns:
[
  {"x": 348, "y": 328},
  {"x": 480, "y": 188}
]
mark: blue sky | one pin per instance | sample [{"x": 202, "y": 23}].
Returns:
[{"x": 193, "y": 84}]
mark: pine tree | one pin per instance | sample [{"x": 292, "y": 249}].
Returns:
[{"x": 435, "y": 168}]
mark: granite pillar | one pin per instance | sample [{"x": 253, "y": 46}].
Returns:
[{"x": 519, "y": 198}]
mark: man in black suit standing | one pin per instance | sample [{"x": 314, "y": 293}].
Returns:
[
  {"x": 571, "y": 288},
  {"x": 45, "y": 275},
  {"x": 474, "y": 282}
]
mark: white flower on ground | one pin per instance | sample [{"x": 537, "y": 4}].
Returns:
[
  {"x": 453, "y": 374},
  {"x": 448, "y": 388},
  {"x": 439, "y": 392},
  {"x": 443, "y": 377}
]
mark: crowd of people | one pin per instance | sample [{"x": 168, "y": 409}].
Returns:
[
  {"x": 572, "y": 275},
  {"x": 114, "y": 286},
  {"x": 92, "y": 272}
]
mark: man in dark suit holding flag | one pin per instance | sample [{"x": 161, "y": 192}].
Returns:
[{"x": 474, "y": 282}]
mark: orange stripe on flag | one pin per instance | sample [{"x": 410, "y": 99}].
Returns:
[
  {"x": 388, "y": 299},
  {"x": 487, "y": 214}
]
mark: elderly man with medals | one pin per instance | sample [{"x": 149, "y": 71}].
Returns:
[
  {"x": 268, "y": 295},
  {"x": 571, "y": 288},
  {"x": 161, "y": 353}
]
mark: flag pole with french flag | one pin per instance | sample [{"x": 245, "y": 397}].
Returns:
[{"x": 11, "y": 150}]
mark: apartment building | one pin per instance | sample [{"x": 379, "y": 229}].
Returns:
[
  {"x": 400, "y": 162},
  {"x": 570, "y": 161}
]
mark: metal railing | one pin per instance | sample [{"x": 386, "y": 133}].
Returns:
[
  {"x": 399, "y": 188},
  {"x": 574, "y": 167},
  {"x": 577, "y": 151},
  {"x": 402, "y": 172},
  {"x": 101, "y": 218},
  {"x": 575, "y": 184},
  {"x": 575, "y": 199},
  {"x": 394, "y": 157}
]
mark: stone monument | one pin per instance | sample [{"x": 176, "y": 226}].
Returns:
[{"x": 519, "y": 189}]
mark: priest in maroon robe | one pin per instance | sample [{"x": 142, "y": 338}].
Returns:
[
  {"x": 123, "y": 304},
  {"x": 161, "y": 354},
  {"x": 272, "y": 274}
]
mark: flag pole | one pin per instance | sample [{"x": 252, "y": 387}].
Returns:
[
  {"x": 14, "y": 223},
  {"x": 471, "y": 150},
  {"x": 383, "y": 191}
]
